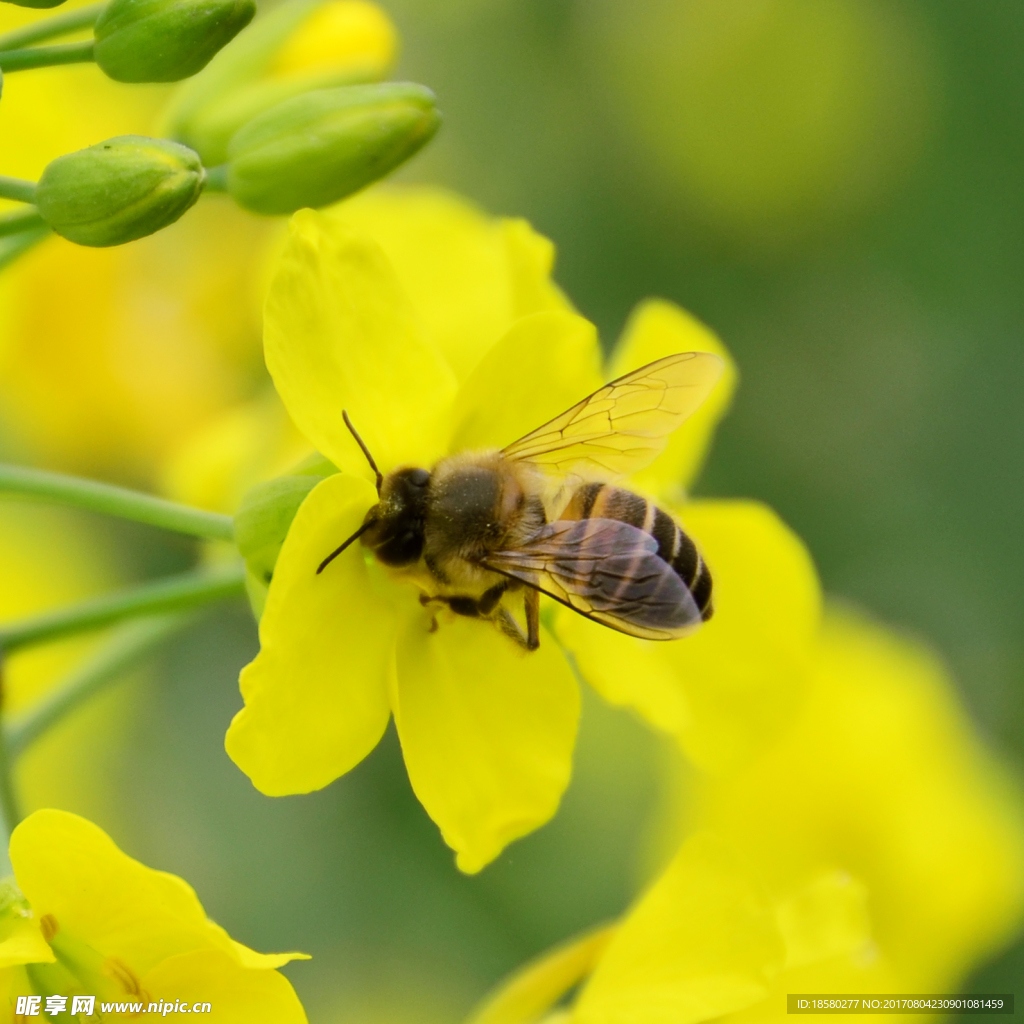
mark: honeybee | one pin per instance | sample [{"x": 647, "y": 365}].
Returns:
[{"x": 542, "y": 515}]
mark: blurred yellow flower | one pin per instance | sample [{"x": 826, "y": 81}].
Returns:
[
  {"x": 48, "y": 560},
  {"x": 875, "y": 848},
  {"x": 95, "y": 922},
  {"x": 149, "y": 339},
  {"x": 881, "y": 776},
  {"x": 354, "y": 37},
  {"x": 705, "y": 941}
]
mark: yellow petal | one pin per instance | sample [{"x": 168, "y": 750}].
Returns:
[
  {"x": 264, "y": 961},
  {"x": 544, "y": 365},
  {"x": 215, "y": 465},
  {"x": 315, "y": 696},
  {"x": 236, "y": 994},
  {"x": 339, "y": 36},
  {"x": 339, "y": 334},
  {"x": 538, "y": 985},
  {"x": 656, "y": 329},
  {"x": 745, "y": 670},
  {"x": 21, "y": 941},
  {"x": 531, "y": 260},
  {"x": 827, "y": 917},
  {"x": 469, "y": 276},
  {"x": 487, "y": 731},
  {"x": 70, "y": 869},
  {"x": 702, "y": 942},
  {"x": 626, "y": 671}
]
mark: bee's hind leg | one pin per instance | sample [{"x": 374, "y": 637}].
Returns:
[
  {"x": 532, "y": 603},
  {"x": 530, "y": 640},
  {"x": 507, "y": 624}
]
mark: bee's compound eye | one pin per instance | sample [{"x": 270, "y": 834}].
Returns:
[{"x": 418, "y": 477}]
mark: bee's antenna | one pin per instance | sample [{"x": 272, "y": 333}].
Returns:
[
  {"x": 337, "y": 551},
  {"x": 366, "y": 452}
]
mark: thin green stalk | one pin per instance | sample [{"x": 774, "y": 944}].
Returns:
[
  {"x": 20, "y": 220},
  {"x": 176, "y": 593},
  {"x": 17, "y": 188},
  {"x": 50, "y": 28},
  {"x": 17, "y": 245},
  {"x": 114, "y": 501},
  {"x": 129, "y": 643},
  {"x": 46, "y": 56}
]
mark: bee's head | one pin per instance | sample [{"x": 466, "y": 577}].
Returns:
[{"x": 394, "y": 526}]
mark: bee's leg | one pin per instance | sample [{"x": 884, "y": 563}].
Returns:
[
  {"x": 490, "y": 599},
  {"x": 511, "y": 628},
  {"x": 532, "y": 603}
]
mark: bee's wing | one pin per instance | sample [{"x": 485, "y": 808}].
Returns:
[
  {"x": 607, "y": 570},
  {"x": 625, "y": 425}
]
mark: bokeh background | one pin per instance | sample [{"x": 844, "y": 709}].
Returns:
[{"x": 835, "y": 186}]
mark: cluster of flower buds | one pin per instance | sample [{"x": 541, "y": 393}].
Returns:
[{"x": 293, "y": 113}]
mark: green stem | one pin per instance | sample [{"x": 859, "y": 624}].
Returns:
[
  {"x": 50, "y": 28},
  {"x": 176, "y": 593},
  {"x": 46, "y": 56},
  {"x": 10, "y": 808},
  {"x": 17, "y": 188},
  {"x": 115, "y": 501},
  {"x": 128, "y": 644},
  {"x": 17, "y": 245},
  {"x": 20, "y": 220}
]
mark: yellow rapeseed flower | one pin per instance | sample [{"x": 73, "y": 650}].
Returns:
[
  {"x": 881, "y": 776},
  {"x": 86, "y": 919},
  {"x": 433, "y": 352},
  {"x": 487, "y": 744},
  {"x": 874, "y": 848},
  {"x": 705, "y": 941}
]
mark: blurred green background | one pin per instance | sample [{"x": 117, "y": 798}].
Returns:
[{"x": 837, "y": 188}]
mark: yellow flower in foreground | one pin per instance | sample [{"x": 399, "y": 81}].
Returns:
[
  {"x": 706, "y": 940},
  {"x": 444, "y": 351},
  {"x": 881, "y": 776},
  {"x": 93, "y": 921},
  {"x": 873, "y": 849}
]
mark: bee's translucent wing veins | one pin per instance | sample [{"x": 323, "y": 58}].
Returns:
[
  {"x": 625, "y": 425},
  {"x": 607, "y": 570}
]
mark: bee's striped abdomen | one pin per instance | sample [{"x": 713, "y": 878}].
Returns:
[{"x": 603, "y": 501}]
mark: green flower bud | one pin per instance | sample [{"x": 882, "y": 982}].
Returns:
[
  {"x": 37, "y": 4},
  {"x": 165, "y": 40},
  {"x": 298, "y": 46},
  {"x": 319, "y": 147},
  {"x": 119, "y": 190}
]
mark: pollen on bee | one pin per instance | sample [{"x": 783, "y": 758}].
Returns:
[{"x": 49, "y": 926}]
